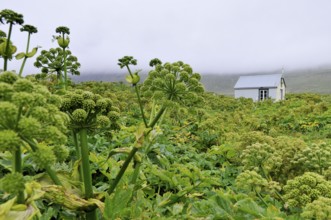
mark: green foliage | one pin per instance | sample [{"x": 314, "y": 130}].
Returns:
[
  {"x": 8, "y": 77},
  {"x": 116, "y": 205},
  {"x": 320, "y": 209},
  {"x": 316, "y": 157},
  {"x": 12, "y": 183},
  {"x": 9, "y": 140},
  {"x": 27, "y": 116},
  {"x": 305, "y": 189},
  {"x": 261, "y": 157},
  {"x": 43, "y": 156},
  {"x": 4, "y": 52}
]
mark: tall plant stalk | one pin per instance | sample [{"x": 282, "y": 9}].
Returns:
[
  {"x": 11, "y": 18},
  {"x": 125, "y": 62},
  {"x": 122, "y": 170},
  {"x": 25, "y": 57},
  {"x": 173, "y": 89},
  {"x": 65, "y": 65},
  {"x": 78, "y": 154},
  {"x": 7, "y": 47},
  {"x": 87, "y": 177},
  {"x": 31, "y": 30},
  {"x": 18, "y": 168},
  {"x": 138, "y": 96}
]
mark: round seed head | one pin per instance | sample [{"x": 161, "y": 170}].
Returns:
[
  {"x": 103, "y": 121},
  {"x": 12, "y": 183},
  {"x": 79, "y": 115},
  {"x": 9, "y": 140},
  {"x": 23, "y": 85},
  {"x": 8, "y": 77}
]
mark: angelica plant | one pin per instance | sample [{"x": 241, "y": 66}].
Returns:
[
  {"x": 173, "y": 83},
  {"x": 262, "y": 158},
  {"x": 63, "y": 41},
  {"x": 251, "y": 181},
  {"x": 168, "y": 84},
  {"x": 29, "y": 115},
  {"x": 7, "y": 49},
  {"x": 320, "y": 209},
  {"x": 59, "y": 60},
  {"x": 254, "y": 184},
  {"x": 316, "y": 157},
  {"x": 31, "y": 30},
  {"x": 305, "y": 189},
  {"x": 88, "y": 112}
]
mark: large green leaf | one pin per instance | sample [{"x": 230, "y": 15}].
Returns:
[
  {"x": 116, "y": 203},
  {"x": 134, "y": 79},
  {"x": 20, "y": 56},
  {"x": 5, "y": 208},
  {"x": 250, "y": 207},
  {"x": 32, "y": 52}
]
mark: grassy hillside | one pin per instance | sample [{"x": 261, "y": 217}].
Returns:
[
  {"x": 300, "y": 81},
  {"x": 312, "y": 81}
]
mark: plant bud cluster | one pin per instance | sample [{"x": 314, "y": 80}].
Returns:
[
  {"x": 89, "y": 110},
  {"x": 11, "y": 48},
  {"x": 12, "y": 183},
  {"x": 320, "y": 209},
  {"x": 305, "y": 189},
  {"x": 316, "y": 157},
  {"x": 251, "y": 181},
  {"x": 53, "y": 61},
  {"x": 29, "y": 110},
  {"x": 261, "y": 156},
  {"x": 173, "y": 81}
]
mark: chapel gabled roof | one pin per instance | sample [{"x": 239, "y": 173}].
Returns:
[{"x": 259, "y": 81}]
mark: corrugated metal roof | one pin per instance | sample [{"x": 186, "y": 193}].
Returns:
[{"x": 258, "y": 81}]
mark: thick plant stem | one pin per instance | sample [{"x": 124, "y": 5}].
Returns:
[
  {"x": 260, "y": 197},
  {"x": 139, "y": 100},
  {"x": 53, "y": 175},
  {"x": 140, "y": 106},
  {"x": 152, "y": 112},
  {"x": 123, "y": 169},
  {"x": 25, "y": 57},
  {"x": 78, "y": 154},
  {"x": 137, "y": 165},
  {"x": 87, "y": 177},
  {"x": 7, "y": 47},
  {"x": 49, "y": 170},
  {"x": 65, "y": 65},
  {"x": 162, "y": 117},
  {"x": 135, "y": 173},
  {"x": 18, "y": 168},
  {"x": 157, "y": 117},
  {"x": 22, "y": 67}
]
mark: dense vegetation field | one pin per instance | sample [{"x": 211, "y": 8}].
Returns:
[
  {"x": 158, "y": 148},
  {"x": 219, "y": 158}
]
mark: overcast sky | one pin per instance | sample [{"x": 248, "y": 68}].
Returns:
[{"x": 213, "y": 36}]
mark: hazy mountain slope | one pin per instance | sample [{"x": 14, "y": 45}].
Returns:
[
  {"x": 315, "y": 81},
  {"x": 300, "y": 81}
]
